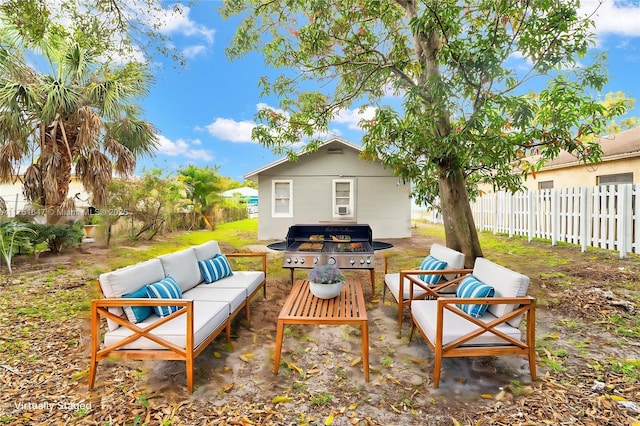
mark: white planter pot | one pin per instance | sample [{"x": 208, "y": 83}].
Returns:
[{"x": 326, "y": 291}]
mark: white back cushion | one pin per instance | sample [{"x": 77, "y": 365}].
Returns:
[
  {"x": 207, "y": 250},
  {"x": 454, "y": 259},
  {"x": 128, "y": 280},
  {"x": 182, "y": 266},
  {"x": 507, "y": 283}
]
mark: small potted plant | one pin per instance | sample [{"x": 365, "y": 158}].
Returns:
[{"x": 325, "y": 281}]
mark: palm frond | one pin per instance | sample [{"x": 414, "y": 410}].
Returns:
[
  {"x": 32, "y": 185},
  {"x": 138, "y": 135},
  {"x": 94, "y": 171},
  {"x": 78, "y": 62},
  {"x": 89, "y": 127},
  {"x": 52, "y": 169},
  {"x": 124, "y": 160},
  {"x": 60, "y": 99}
]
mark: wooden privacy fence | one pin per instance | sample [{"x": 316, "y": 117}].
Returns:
[{"x": 604, "y": 216}]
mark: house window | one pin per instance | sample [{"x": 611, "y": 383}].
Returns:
[
  {"x": 343, "y": 198},
  {"x": 545, "y": 184},
  {"x": 616, "y": 179},
  {"x": 282, "y": 198}
]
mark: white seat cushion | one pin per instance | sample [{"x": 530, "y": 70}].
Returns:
[
  {"x": 393, "y": 283},
  {"x": 247, "y": 280},
  {"x": 208, "y": 316},
  {"x": 424, "y": 313},
  {"x": 234, "y": 297}
]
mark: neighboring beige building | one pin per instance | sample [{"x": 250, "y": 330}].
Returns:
[{"x": 620, "y": 163}]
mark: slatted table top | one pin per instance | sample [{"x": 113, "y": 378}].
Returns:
[{"x": 303, "y": 307}]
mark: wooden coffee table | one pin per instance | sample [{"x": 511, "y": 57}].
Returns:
[{"x": 302, "y": 307}]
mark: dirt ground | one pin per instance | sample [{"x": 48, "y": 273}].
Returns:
[{"x": 321, "y": 379}]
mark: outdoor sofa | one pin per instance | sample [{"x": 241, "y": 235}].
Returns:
[
  {"x": 483, "y": 318},
  {"x": 171, "y": 307}
]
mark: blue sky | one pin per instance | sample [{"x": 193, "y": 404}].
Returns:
[{"x": 205, "y": 111}]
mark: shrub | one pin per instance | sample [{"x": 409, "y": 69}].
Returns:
[{"x": 58, "y": 237}]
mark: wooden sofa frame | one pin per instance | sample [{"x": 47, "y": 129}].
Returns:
[
  {"x": 431, "y": 290},
  {"x": 99, "y": 310},
  {"x": 456, "y": 348}
]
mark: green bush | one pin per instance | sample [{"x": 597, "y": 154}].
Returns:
[{"x": 58, "y": 237}]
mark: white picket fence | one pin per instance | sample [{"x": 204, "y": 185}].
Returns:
[{"x": 605, "y": 216}]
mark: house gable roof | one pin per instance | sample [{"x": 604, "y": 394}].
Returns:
[
  {"x": 625, "y": 144},
  {"x": 333, "y": 141}
]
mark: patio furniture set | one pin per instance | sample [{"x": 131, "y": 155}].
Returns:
[{"x": 173, "y": 306}]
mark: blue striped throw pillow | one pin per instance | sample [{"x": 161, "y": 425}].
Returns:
[
  {"x": 214, "y": 269},
  {"x": 470, "y": 286},
  {"x": 167, "y": 288},
  {"x": 136, "y": 314},
  {"x": 430, "y": 263}
]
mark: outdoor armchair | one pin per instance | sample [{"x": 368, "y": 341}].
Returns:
[
  {"x": 482, "y": 319},
  {"x": 438, "y": 273}
]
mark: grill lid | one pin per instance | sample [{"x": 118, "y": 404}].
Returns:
[{"x": 324, "y": 233}]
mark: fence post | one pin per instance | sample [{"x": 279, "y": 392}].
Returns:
[
  {"x": 555, "y": 216},
  {"x": 512, "y": 214},
  {"x": 585, "y": 220},
  {"x": 531, "y": 215},
  {"x": 636, "y": 218},
  {"x": 623, "y": 219}
]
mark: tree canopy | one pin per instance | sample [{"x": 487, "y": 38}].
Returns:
[
  {"x": 119, "y": 31},
  {"x": 79, "y": 115},
  {"x": 454, "y": 106}
]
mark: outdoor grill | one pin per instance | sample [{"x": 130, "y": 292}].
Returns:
[{"x": 347, "y": 246}]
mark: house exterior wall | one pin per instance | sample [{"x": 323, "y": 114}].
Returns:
[
  {"x": 620, "y": 156},
  {"x": 379, "y": 200},
  {"x": 13, "y": 196},
  {"x": 577, "y": 175}
]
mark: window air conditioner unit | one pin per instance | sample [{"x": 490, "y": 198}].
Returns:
[{"x": 342, "y": 210}]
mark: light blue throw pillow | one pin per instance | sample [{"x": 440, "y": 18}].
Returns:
[
  {"x": 214, "y": 269},
  {"x": 430, "y": 263},
  {"x": 471, "y": 287},
  {"x": 167, "y": 288},
  {"x": 136, "y": 314}
]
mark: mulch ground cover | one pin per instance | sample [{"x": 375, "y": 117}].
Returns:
[{"x": 588, "y": 368}]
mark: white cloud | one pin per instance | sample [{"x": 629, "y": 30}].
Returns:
[
  {"x": 262, "y": 105},
  {"x": 231, "y": 130},
  {"x": 352, "y": 117},
  {"x": 193, "y": 51},
  {"x": 614, "y": 17},
  {"x": 182, "y": 148},
  {"x": 175, "y": 20}
]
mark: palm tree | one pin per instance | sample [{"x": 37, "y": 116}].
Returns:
[
  {"x": 204, "y": 186},
  {"x": 78, "y": 116}
]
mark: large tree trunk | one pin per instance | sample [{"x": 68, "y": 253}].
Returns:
[
  {"x": 459, "y": 226},
  {"x": 460, "y": 230}
]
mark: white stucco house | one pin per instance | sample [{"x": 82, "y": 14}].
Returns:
[
  {"x": 331, "y": 185},
  {"x": 13, "y": 196}
]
